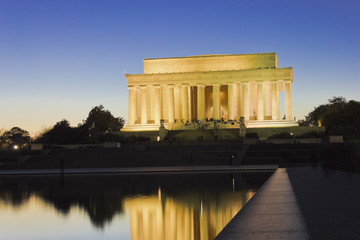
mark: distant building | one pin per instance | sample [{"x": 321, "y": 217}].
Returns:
[{"x": 209, "y": 87}]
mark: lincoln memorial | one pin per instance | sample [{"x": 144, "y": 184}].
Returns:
[{"x": 231, "y": 88}]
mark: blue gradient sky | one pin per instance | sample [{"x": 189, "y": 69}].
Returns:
[{"x": 58, "y": 59}]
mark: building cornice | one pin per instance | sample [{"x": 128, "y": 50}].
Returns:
[
  {"x": 211, "y": 77},
  {"x": 212, "y": 55}
]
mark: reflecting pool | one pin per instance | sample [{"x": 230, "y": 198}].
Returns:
[{"x": 123, "y": 206}]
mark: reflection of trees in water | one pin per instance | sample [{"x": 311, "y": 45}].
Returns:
[
  {"x": 102, "y": 196},
  {"x": 101, "y": 205},
  {"x": 10, "y": 194}
]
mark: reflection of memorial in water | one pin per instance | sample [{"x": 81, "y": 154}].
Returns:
[{"x": 192, "y": 216}]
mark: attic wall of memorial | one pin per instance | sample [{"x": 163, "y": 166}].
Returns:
[{"x": 206, "y": 63}]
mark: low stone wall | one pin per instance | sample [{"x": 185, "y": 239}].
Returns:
[
  {"x": 309, "y": 140},
  {"x": 224, "y": 132},
  {"x": 280, "y": 141},
  {"x": 149, "y": 154},
  {"x": 296, "y": 131},
  {"x": 152, "y": 135},
  {"x": 250, "y": 141}
]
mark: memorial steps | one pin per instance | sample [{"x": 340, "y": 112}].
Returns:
[
  {"x": 270, "y": 123},
  {"x": 210, "y": 125},
  {"x": 141, "y": 127},
  {"x": 218, "y": 131}
]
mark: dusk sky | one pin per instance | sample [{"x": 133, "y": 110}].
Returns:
[{"x": 58, "y": 59}]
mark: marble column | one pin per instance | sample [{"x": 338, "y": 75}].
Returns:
[
  {"x": 185, "y": 102},
  {"x": 239, "y": 101},
  {"x": 132, "y": 105},
  {"x": 246, "y": 101},
  {"x": 171, "y": 103},
  {"x": 216, "y": 101},
  {"x": 189, "y": 103},
  {"x": 274, "y": 101},
  {"x": 157, "y": 104},
  {"x": 288, "y": 114},
  {"x": 260, "y": 101},
  {"x": 151, "y": 100},
  {"x": 278, "y": 102},
  {"x": 149, "y": 104},
  {"x": 165, "y": 103},
  {"x": 177, "y": 102},
  {"x": 232, "y": 100},
  {"x": 201, "y": 102},
  {"x": 267, "y": 100},
  {"x": 143, "y": 117}
]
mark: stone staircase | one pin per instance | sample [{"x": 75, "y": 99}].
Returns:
[{"x": 270, "y": 123}]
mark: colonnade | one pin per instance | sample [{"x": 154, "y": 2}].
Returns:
[{"x": 253, "y": 100}]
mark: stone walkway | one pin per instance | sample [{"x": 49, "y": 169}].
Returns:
[
  {"x": 139, "y": 170},
  {"x": 301, "y": 203},
  {"x": 273, "y": 213}
]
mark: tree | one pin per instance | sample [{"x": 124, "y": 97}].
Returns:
[
  {"x": 57, "y": 134},
  {"x": 62, "y": 133},
  {"x": 41, "y": 132},
  {"x": 100, "y": 120},
  {"x": 2, "y": 142},
  {"x": 339, "y": 116},
  {"x": 15, "y": 136}
]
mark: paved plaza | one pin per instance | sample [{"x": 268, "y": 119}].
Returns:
[{"x": 139, "y": 169}]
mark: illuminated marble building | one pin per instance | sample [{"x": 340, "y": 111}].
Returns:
[{"x": 210, "y": 87}]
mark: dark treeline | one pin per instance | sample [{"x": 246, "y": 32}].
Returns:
[
  {"x": 339, "y": 116},
  {"x": 99, "y": 126}
]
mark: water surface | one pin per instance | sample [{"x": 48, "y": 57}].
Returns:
[{"x": 127, "y": 206}]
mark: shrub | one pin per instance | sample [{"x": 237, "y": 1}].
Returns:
[
  {"x": 251, "y": 135},
  {"x": 283, "y": 135},
  {"x": 312, "y": 134}
]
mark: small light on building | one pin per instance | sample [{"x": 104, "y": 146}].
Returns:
[
  {"x": 291, "y": 134},
  {"x": 319, "y": 123},
  {"x": 158, "y": 138},
  {"x": 16, "y": 147}
]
